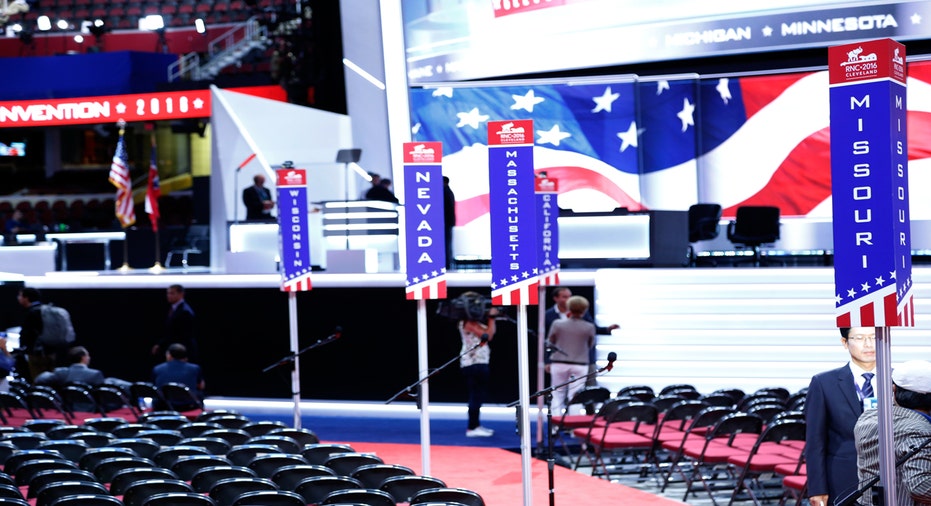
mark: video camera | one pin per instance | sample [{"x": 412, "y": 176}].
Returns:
[{"x": 469, "y": 306}]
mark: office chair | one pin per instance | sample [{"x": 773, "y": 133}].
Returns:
[
  {"x": 703, "y": 226},
  {"x": 192, "y": 242},
  {"x": 754, "y": 226}
]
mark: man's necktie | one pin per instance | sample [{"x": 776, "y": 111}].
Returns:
[{"x": 867, "y": 389}]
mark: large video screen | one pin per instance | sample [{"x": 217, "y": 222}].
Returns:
[
  {"x": 476, "y": 39},
  {"x": 661, "y": 143}
]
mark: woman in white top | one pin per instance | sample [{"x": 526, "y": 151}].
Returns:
[{"x": 474, "y": 363}]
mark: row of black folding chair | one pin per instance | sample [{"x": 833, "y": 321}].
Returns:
[{"x": 111, "y": 467}]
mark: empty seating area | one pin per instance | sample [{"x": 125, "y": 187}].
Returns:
[
  {"x": 725, "y": 446},
  {"x": 76, "y": 214},
  {"x": 125, "y": 14},
  {"x": 81, "y": 445}
]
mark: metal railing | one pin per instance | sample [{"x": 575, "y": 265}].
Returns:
[{"x": 223, "y": 51}]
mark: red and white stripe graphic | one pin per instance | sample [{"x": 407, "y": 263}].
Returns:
[
  {"x": 432, "y": 289},
  {"x": 879, "y": 309},
  {"x": 298, "y": 284},
  {"x": 520, "y": 293},
  {"x": 550, "y": 278},
  {"x": 907, "y": 310}
]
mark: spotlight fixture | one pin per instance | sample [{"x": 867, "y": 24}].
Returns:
[
  {"x": 79, "y": 38},
  {"x": 44, "y": 23},
  {"x": 98, "y": 28},
  {"x": 152, "y": 22},
  {"x": 200, "y": 26},
  {"x": 62, "y": 24}
]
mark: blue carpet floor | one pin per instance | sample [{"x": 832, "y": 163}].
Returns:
[{"x": 376, "y": 423}]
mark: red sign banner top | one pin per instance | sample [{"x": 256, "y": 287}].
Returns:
[
  {"x": 510, "y": 133},
  {"x": 543, "y": 184},
  {"x": 106, "y": 109},
  {"x": 505, "y": 7},
  {"x": 291, "y": 177},
  {"x": 423, "y": 152},
  {"x": 863, "y": 61},
  {"x": 112, "y": 108}
]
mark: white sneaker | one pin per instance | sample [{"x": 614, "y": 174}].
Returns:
[{"x": 479, "y": 432}]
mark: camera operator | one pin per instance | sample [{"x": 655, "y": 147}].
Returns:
[{"x": 476, "y": 334}]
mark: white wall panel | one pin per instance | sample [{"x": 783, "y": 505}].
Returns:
[{"x": 728, "y": 327}]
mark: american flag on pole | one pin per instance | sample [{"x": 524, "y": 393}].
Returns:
[
  {"x": 119, "y": 177},
  {"x": 152, "y": 191}
]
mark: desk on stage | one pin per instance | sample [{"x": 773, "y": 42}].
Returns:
[
  {"x": 34, "y": 259},
  {"x": 648, "y": 239},
  {"x": 104, "y": 238}
]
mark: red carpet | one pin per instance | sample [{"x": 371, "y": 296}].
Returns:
[{"x": 496, "y": 475}]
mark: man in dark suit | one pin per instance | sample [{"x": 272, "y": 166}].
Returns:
[
  {"x": 258, "y": 200},
  {"x": 911, "y": 389},
  {"x": 77, "y": 371},
  {"x": 179, "y": 326},
  {"x": 177, "y": 369},
  {"x": 834, "y": 402}
]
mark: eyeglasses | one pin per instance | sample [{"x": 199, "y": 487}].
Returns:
[{"x": 861, "y": 339}]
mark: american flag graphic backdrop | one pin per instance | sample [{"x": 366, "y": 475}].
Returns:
[{"x": 757, "y": 140}]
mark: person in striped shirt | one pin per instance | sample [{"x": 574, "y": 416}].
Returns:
[{"x": 911, "y": 433}]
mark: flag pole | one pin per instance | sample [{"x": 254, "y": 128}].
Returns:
[
  {"x": 158, "y": 255},
  {"x": 152, "y": 192},
  {"x": 125, "y": 267}
]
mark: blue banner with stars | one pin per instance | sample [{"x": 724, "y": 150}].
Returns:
[
  {"x": 869, "y": 180},
  {"x": 424, "y": 223},
  {"x": 515, "y": 273},
  {"x": 293, "y": 230}
]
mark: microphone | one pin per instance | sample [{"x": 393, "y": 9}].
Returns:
[
  {"x": 611, "y": 358},
  {"x": 336, "y": 334},
  {"x": 484, "y": 339}
]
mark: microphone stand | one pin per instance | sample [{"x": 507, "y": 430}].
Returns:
[
  {"x": 547, "y": 394},
  {"x": 409, "y": 389},
  {"x": 289, "y": 358},
  {"x": 852, "y": 498}
]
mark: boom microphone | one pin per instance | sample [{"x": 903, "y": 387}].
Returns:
[{"x": 337, "y": 333}]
